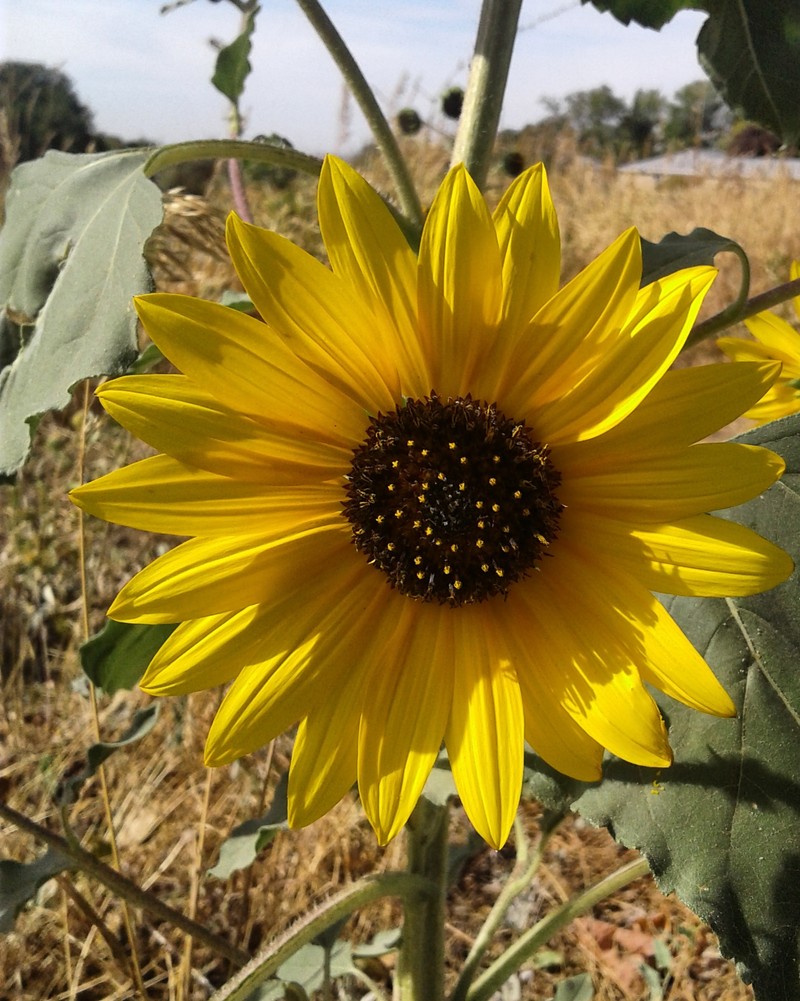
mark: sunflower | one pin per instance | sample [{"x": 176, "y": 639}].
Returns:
[
  {"x": 428, "y": 496},
  {"x": 774, "y": 339}
]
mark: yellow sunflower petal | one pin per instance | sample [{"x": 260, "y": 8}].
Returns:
[
  {"x": 204, "y": 653},
  {"x": 178, "y": 418},
  {"x": 549, "y": 729},
  {"x": 269, "y": 696},
  {"x": 485, "y": 734},
  {"x": 664, "y": 656},
  {"x": 669, "y": 418},
  {"x": 397, "y": 743},
  {"x": 325, "y": 754},
  {"x": 205, "y": 576},
  {"x": 573, "y": 330},
  {"x": 695, "y": 480},
  {"x": 631, "y": 364},
  {"x": 248, "y": 367},
  {"x": 702, "y": 555},
  {"x": 794, "y": 274},
  {"x": 530, "y": 246},
  {"x": 780, "y": 339},
  {"x": 161, "y": 494},
  {"x": 459, "y": 284},
  {"x": 316, "y": 314},
  {"x": 780, "y": 401},
  {"x": 367, "y": 248},
  {"x": 590, "y": 671}
]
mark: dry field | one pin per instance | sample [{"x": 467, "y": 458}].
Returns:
[{"x": 170, "y": 814}]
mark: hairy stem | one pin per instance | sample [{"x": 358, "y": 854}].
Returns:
[
  {"x": 738, "y": 312},
  {"x": 267, "y": 962},
  {"x": 488, "y": 75},
  {"x": 77, "y": 857},
  {"x": 542, "y": 931},
  {"x": 362, "y": 92}
]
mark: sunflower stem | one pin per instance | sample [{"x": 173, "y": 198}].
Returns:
[
  {"x": 525, "y": 946},
  {"x": 488, "y": 75},
  {"x": 362, "y": 92},
  {"x": 741, "y": 311},
  {"x": 420, "y": 968},
  {"x": 218, "y": 149}
]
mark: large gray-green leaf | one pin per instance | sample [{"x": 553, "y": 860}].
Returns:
[
  {"x": 675, "y": 251},
  {"x": 247, "y": 839},
  {"x": 721, "y": 827},
  {"x": 142, "y": 723},
  {"x": 70, "y": 261},
  {"x": 117, "y": 656},
  {"x": 749, "y": 48},
  {"x": 19, "y": 882}
]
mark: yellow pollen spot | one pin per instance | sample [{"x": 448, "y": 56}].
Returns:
[
  {"x": 506, "y": 529},
  {"x": 426, "y": 486},
  {"x": 479, "y": 543},
  {"x": 395, "y": 463},
  {"x": 417, "y": 560},
  {"x": 526, "y": 511},
  {"x": 410, "y": 442},
  {"x": 437, "y": 542},
  {"x": 390, "y": 547},
  {"x": 495, "y": 508},
  {"x": 485, "y": 567},
  {"x": 479, "y": 504},
  {"x": 463, "y": 460},
  {"x": 417, "y": 523},
  {"x": 454, "y": 548},
  {"x": 462, "y": 486},
  {"x": 457, "y": 584},
  {"x": 492, "y": 481},
  {"x": 495, "y": 459},
  {"x": 379, "y": 519},
  {"x": 390, "y": 487},
  {"x": 481, "y": 524},
  {"x": 446, "y": 569},
  {"x": 398, "y": 512},
  {"x": 451, "y": 445},
  {"x": 428, "y": 530},
  {"x": 424, "y": 452},
  {"x": 498, "y": 571},
  {"x": 421, "y": 498},
  {"x": 420, "y": 574},
  {"x": 517, "y": 495},
  {"x": 441, "y": 476}
]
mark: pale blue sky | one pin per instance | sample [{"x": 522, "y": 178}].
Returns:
[{"x": 147, "y": 74}]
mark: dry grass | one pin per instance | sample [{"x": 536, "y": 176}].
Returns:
[{"x": 158, "y": 788}]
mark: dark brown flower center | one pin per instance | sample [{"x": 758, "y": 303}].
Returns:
[{"x": 452, "y": 500}]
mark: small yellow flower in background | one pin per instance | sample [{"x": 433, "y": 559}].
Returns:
[
  {"x": 775, "y": 339},
  {"x": 428, "y": 499}
]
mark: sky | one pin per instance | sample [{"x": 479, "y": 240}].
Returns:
[{"x": 146, "y": 74}]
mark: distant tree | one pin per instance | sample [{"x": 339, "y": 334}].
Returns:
[
  {"x": 42, "y": 110},
  {"x": 596, "y": 116},
  {"x": 697, "y": 116},
  {"x": 639, "y": 127}
]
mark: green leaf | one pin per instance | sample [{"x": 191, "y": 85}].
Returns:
[
  {"x": 750, "y": 50},
  {"x": 306, "y": 966},
  {"x": 382, "y": 943},
  {"x": 243, "y": 844},
  {"x": 578, "y": 988},
  {"x": 117, "y": 657},
  {"x": 648, "y": 13},
  {"x": 19, "y": 882},
  {"x": 233, "y": 62},
  {"x": 70, "y": 261},
  {"x": 720, "y": 827},
  {"x": 69, "y": 787},
  {"x": 675, "y": 251}
]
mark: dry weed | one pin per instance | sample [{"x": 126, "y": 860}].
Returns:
[{"x": 157, "y": 788}]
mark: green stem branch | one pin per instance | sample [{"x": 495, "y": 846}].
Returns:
[
  {"x": 362, "y": 92},
  {"x": 77, "y": 857},
  {"x": 740, "y": 311},
  {"x": 218, "y": 149},
  {"x": 524, "y": 871},
  {"x": 420, "y": 965},
  {"x": 511, "y": 960},
  {"x": 488, "y": 75},
  {"x": 267, "y": 962}
]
